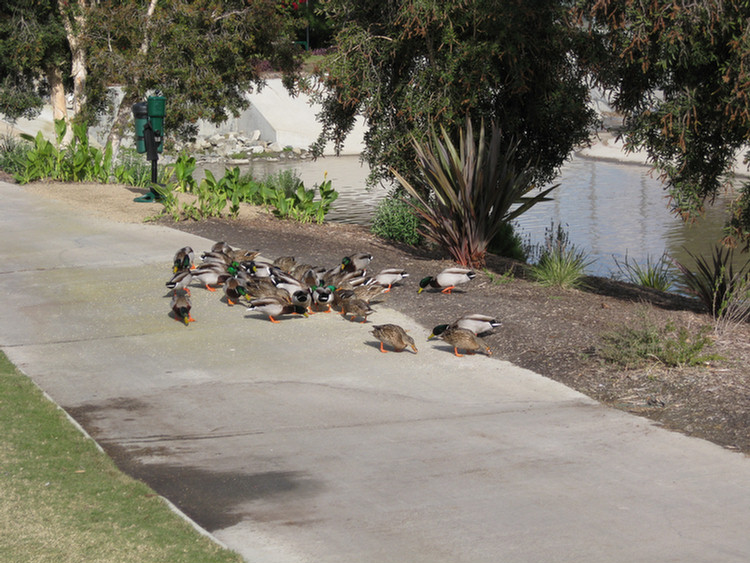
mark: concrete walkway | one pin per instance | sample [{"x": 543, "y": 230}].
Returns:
[{"x": 301, "y": 442}]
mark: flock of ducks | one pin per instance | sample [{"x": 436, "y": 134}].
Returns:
[{"x": 284, "y": 286}]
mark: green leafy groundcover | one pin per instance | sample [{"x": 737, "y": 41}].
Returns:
[{"x": 64, "y": 501}]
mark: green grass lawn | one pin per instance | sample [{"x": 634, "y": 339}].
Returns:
[{"x": 63, "y": 500}]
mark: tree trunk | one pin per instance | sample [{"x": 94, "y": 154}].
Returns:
[
  {"x": 58, "y": 101},
  {"x": 74, "y": 22}
]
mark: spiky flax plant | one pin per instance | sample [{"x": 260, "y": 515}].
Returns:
[{"x": 465, "y": 193}]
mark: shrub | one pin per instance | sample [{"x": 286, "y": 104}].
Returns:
[
  {"x": 670, "y": 345},
  {"x": 133, "y": 169},
  {"x": 465, "y": 194},
  {"x": 77, "y": 162},
  {"x": 395, "y": 220},
  {"x": 12, "y": 154},
  {"x": 715, "y": 282},
  {"x": 560, "y": 263},
  {"x": 507, "y": 243},
  {"x": 654, "y": 275}
]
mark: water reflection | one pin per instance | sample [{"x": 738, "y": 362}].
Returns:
[
  {"x": 611, "y": 209},
  {"x": 608, "y": 209}
]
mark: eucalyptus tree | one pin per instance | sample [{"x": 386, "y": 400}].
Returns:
[
  {"x": 407, "y": 65},
  {"x": 679, "y": 71}
]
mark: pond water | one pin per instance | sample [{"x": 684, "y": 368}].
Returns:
[{"x": 608, "y": 209}]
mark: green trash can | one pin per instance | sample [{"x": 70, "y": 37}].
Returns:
[
  {"x": 156, "y": 111},
  {"x": 140, "y": 115}
]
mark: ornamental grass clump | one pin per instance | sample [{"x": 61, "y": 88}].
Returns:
[
  {"x": 716, "y": 283},
  {"x": 560, "y": 263},
  {"x": 655, "y": 274},
  {"x": 465, "y": 194}
]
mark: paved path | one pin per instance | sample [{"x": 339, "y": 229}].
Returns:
[{"x": 302, "y": 442}]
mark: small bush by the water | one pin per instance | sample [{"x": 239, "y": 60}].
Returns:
[
  {"x": 653, "y": 275},
  {"x": 561, "y": 267},
  {"x": 394, "y": 220},
  {"x": 670, "y": 345},
  {"x": 507, "y": 243},
  {"x": 560, "y": 263},
  {"x": 716, "y": 282}
]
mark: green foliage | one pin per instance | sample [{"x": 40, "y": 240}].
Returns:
[
  {"x": 560, "y": 263},
  {"x": 395, "y": 220},
  {"x": 76, "y": 162},
  {"x": 507, "y": 243},
  {"x": 284, "y": 193},
  {"x": 144, "y": 50},
  {"x": 669, "y": 345},
  {"x": 409, "y": 66},
  {"x": 678, "y": 72},
  {"x": 289, "y": 199},
  {"x": 654, "y": 274},
  {"x": 501, "y": 279},
  {"x": 134, "y": 170},
  {"x": 465, "y": 194},
  {"x": 715, "y": 282},
  {"x": 12, "y": 154},
  {"x": 561, "y": 267},
  {"x": 182, "y": 171},
  {"x": 32, "y": 43},
  {"x": 227, "y": 42}
]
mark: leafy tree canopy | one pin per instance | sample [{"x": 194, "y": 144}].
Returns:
[
  {"x": 32, "y": 38},
  {"x": 203, "y": 55},
  {"x": 679, "y": 71},
  {"x": 406, "y": 65}
]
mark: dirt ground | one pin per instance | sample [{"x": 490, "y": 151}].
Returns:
[{"x": 553, "y": 332}]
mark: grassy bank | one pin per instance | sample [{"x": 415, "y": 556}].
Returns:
[{"x": 62, "y": 500}]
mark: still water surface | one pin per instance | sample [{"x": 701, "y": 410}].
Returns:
[{"x": 608, "y": 209}]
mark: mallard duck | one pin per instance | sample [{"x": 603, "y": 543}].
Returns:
[
  {"x": 357, "y": 308},
  {"x": 394, "y": 336},
  {"x": 233, "y": 254},
  {"x": 273, "y": 307},
  {"x": 285, "y": 263},
  {"x": 259, "y": 269},
  {"x": 286, "y": 282},
  {"x": 447, "y": 279},
  {"x": 299, "y": 271},
  {"x": 302, "y": 298},
  {"x": 460, "y": 338},
  {"x": 211, "y": 274},
  {"x": 356, "y": 261},
  {"x": 181, "y": 280},
  {"x": 369, "y": 292},
  {"x": 340, "y": 295},
  {"x": 312, "y": 277},
  {"x": 183, "y": 259},
  {"x": 181, "y": 308},
  {"x": 213, "y": 257},
  {"x": 476, "y": 323},
  {"x": 388, "y": 277},
  {"x": 239, "y": 254},
  {"x": 221, "y": 246},
  {"x": 258, "y": 288},
  {"x": 323, "y": 295},
  {"x": 345, "y": 278},
  {"x": 234, "y": 289}
]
